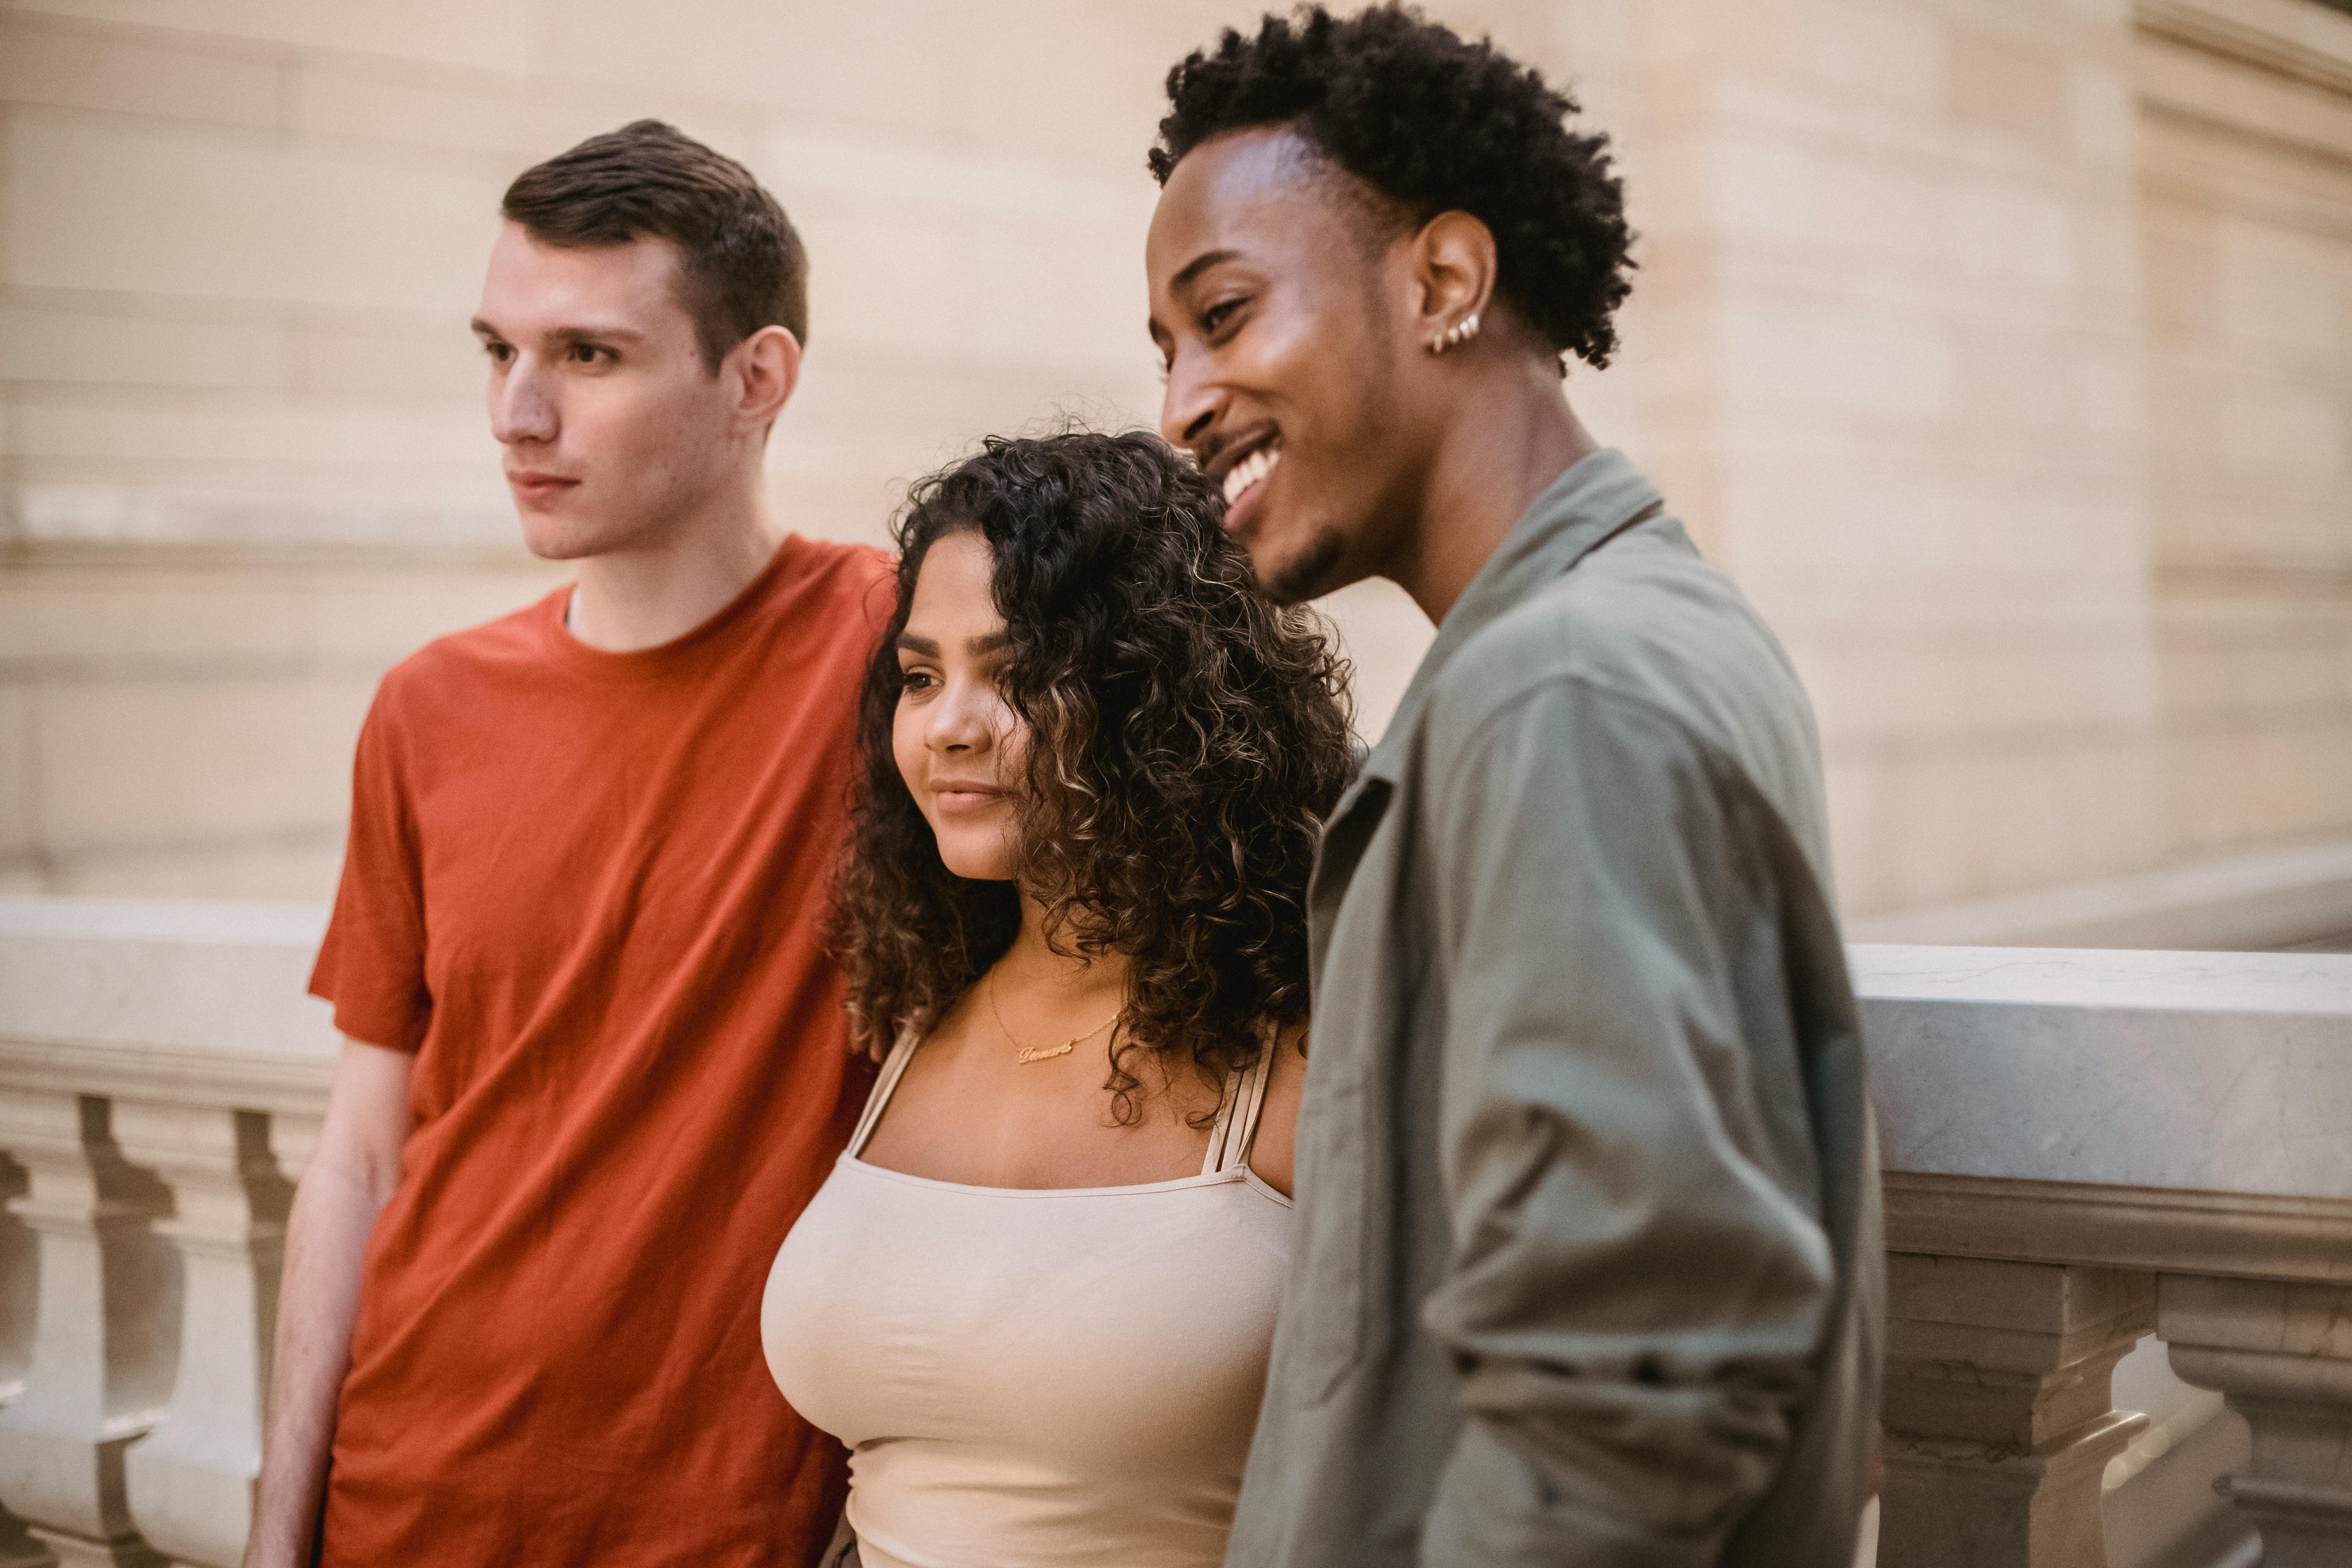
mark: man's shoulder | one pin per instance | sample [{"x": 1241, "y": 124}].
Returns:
[
  {"x": 463, "y": 659},
  {"x": 857, "y": 564},
  {"x": 837, "y": 565},
  {"x": 1644, "y": 622},
  {"x": 844, "y": 590}
]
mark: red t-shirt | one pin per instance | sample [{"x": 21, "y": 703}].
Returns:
[{"x": 586, "y": 889}]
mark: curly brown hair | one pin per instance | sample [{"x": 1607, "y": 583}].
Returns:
[{"x": 1186, "y": 737}]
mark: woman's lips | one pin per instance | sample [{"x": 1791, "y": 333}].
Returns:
[{"x": 969, "y": 797}]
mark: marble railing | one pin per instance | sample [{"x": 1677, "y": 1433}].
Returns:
[
  {"x": 2081, "y": 1148},
  {"x": 161, "y": 1080}
]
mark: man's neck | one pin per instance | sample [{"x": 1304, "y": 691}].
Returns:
[
  {"x": 630, "y": 599},
  {"x": 1504, "y": 445}
]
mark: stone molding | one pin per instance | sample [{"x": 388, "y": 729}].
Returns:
[
  {"x": 215, "y": 1079},
  {"x": 2156, "y": 1229},
  {"x": 2293, "y": 39},
  {"x": 2239, "y": 902}
]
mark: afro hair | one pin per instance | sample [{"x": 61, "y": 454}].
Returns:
[{"x": 1433, "y": 123}]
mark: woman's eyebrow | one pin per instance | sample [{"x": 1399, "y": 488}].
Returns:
[
  {"x": 994, "y": 642},
  {"x": 910, "y": 643}
]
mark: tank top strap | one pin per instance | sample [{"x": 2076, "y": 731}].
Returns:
[
  {"x": 894, "y": 1067},
  {"x": 1237, "y": 1127}
]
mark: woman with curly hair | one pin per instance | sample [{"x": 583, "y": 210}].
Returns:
[
  {"x": 1590, "y": 1266},
  {"x": 1037, "y": 1295}
]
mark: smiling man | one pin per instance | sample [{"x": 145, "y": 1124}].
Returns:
[
  {"x": 1588, "y": 1259},
  {"x": 595, "y": 1058}
]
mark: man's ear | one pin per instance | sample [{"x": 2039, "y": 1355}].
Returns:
[
  {"x": 1453, "y": 261},
  {"x": 764, "y": 367}
]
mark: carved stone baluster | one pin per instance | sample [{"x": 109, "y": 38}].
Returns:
[
  {"x": 1997, "y": 1414},
  {"x": 191, "y": 1481},
  {"x": 17, "y": 1547},
  {"x": 20, "y": 1279},
  {"x": 293, "y": 1139},
  {"x": 2282, "y": 1355},
  {"x": 103, "y": 1332}
]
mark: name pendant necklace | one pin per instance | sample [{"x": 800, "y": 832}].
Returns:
[{"x": 1024, "y": 1055}]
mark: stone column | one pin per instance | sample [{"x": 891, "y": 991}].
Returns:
[
  {"x": 2282, "y": 1355},
  {"x": 191, "y": 1481},
  {"x": 1999, "y": 1420},
  {"x": 103, "y": 1332}
]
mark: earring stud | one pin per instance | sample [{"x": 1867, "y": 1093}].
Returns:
[{"x": 1461, "y": 331}]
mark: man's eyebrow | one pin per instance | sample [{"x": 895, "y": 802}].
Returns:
[
  {"x": 594, "y": 334},
  {"x": 572, "y": 334},
  {"x": 1199, "y": 265}
]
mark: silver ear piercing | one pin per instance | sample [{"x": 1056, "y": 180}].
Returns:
[{"x": 1461, "y": 331}]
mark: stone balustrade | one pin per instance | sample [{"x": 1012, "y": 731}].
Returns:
[
  {"x": 161, "y": 1080},
  {"x": 2081, "y": 1148}
]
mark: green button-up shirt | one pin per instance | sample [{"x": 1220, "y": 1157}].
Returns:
[{"x": 1588, "y": 1261}]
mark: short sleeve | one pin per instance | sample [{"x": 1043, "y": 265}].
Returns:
[{"x": 371, "y": 963}]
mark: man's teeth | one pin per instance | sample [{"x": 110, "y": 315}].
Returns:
[{"x": 1249, "y": 471}]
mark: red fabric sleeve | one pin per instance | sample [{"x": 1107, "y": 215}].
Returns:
[{"x": 371, "y": 963}]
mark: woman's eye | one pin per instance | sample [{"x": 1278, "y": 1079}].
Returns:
[
  {"x": 914, "y": 680},
  {"x": 1216, "y": 315}
]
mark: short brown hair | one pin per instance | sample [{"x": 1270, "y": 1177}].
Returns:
[{"x": 743, "y": 266}]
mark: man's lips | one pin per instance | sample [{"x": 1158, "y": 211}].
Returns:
[
  {"x": 1244, "y": 487},
  {"x": 1239, "y": 468},
  {"x": 1250, "y": 470},
  {"x": 532, "y": 485}
]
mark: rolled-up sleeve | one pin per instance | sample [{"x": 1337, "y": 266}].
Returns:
[{"x": 1640, "y": 1274}]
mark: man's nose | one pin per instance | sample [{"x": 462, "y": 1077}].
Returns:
[
  {"x": 1190, "y": 404},
  {"x": 520, "y": 408}
]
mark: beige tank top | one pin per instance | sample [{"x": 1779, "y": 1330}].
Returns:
[{"x": 1039, "y": 1377}]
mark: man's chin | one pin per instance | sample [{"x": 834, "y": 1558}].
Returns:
[
  {"x": 551, "y": 541},
  {"x": 1306, "y": 571}
]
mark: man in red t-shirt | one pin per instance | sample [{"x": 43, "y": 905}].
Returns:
[{"x": 595, "y": 1058}]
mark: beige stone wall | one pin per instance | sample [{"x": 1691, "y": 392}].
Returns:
[
  {"x": 2246, "y": 218},
  {"x": 1911, "y": 349},
  {"x": 246, "y": 463},
  {"x": 1925, "y": 435}
]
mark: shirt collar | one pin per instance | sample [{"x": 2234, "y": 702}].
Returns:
[{"x": 1592, "y": 498}]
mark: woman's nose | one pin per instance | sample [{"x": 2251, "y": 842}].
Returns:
[{"x": 960, "y": 723}]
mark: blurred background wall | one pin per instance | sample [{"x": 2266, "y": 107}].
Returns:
[{"x": 2001, "y": 349}]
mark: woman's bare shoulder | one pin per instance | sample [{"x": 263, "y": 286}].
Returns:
[{"x": 1274, "y": 1153}]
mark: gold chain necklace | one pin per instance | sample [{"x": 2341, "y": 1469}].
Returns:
[{"x": 1024, "y": 1055}]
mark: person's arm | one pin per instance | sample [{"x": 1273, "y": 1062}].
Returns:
[
  {"x": 1639, "y": 1276},
  {"x": 350, "y": 1177}
]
